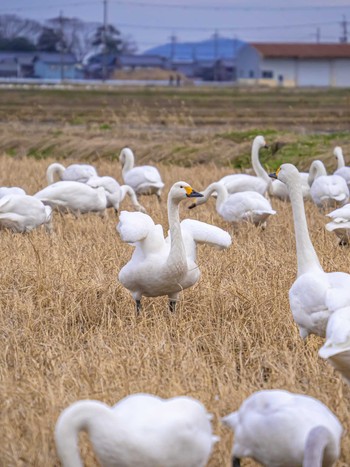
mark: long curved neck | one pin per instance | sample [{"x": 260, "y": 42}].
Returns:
[
  {"x": 340, "y": 158},
  {"x": 258, "y": 168},
  {"x": 73, "y": 420},
  {"x": 316, "y": 443},
  {"x": 221, "y": 192},
  {"x": 52, "y": 170},
  {"x": 317, "y": 169},
  {"x": 177, "y": 255},
  {"x": 128, "y": 160},
  {"x": 306, "y": 254},
  {"x": 127, "y": 190}
]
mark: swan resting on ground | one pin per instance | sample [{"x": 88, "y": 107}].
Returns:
[
  {"x": 23, "y": 213},
  {"x": 114, "y": 192},
  {"x": 74, "y": 197},
  {"x": 143, "y": 179},
  {"x": 326, "y": 190},
  {"x": 340, "y": 223},
  {"x": 140, "y": 430},
  {"x": 279, "y": 428},
  {"x": 336, "y": 349},
  {"x": 162, "y": 266},
  {"x": 315, "y": 294},
  {"x": 11, "y": 190},
  {"x": 342, "y": 170},
  {"x": 73, "y": 173},
  {"x": 245, "y": 206}
]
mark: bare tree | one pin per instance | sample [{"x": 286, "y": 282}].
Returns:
[{"x": 12, "y": 27}]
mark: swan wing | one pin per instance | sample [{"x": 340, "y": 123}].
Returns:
[
  {"x": 143, "y": 176},
  {"x": 13, "y": 190},
  {"x": 79, "y": 173},
  {"x": 134, "y": 226},
  {"x": 110, "y": 184},
  {"x": 201, "y": 232},
  {"x": 341, "y": 214},
  {"x": 244, "y": 182},
  {"x": 337, "y": 333}
]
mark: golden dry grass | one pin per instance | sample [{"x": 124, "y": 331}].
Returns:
[{"x": 69, "y": 329}]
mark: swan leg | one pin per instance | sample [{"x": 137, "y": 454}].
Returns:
[
  {"x": 236, "y": 462},
  {"x": 172, "y": 306},
  {"x": 138, "y": 306}
]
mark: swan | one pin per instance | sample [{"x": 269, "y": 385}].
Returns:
[
  {"x": 336, "y": 349},
  {"x": 275, "y": 188},
  {"x": 162, "y": 266},
  {"x": 23, "y": 213},
  {"x": 315, "y": 294},
  {"x": 144, "y": 179},
  {"x": 140, "y": 430},
  {"x": 279, "y": 428},
  {"x": 244, "y": 182},
  {"x": 114, "y": 192},
  {"x": 248, "y": 206},
  {"x": 340, "y": 223},
  {"x": 73, "y": 173},
  {"x": 342, "y": 170},
  {"x": 75, "y": 197},
  {"x": 326, "y": 189},
  {"x": 11, "y": 190}
]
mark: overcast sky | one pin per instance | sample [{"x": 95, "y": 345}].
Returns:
[{"x": 153, "y": 22}]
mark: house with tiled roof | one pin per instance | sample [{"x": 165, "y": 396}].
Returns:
[{"x": 294, "y": 64}]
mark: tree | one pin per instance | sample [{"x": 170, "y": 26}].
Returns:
[
  {"x": 13, "y": 27},
  {"x": 108, "y": 39},
  {"x": 19, "y": 44},
  {"x": 49, "y": 40}
]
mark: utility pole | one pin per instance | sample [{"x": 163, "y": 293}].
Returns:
[
  {"x": 216, "y": 54},
  {"x": 318, "y": 35},
  {"x": 173, "y": 40},
  {"x": 104, "y": 39},
  {"x": 62, "y": 46},
  {"x": 344, "y": 25}
]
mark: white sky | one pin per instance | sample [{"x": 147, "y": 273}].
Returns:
[{"x": 152, "y": 22}]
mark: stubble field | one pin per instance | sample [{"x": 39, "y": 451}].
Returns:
[{"x": 69, "y": 329}]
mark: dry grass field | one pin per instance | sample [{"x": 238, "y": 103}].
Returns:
[{"x": 68, "y": 328}]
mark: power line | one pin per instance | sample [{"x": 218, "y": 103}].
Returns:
[{"x": 49, "y": 7}]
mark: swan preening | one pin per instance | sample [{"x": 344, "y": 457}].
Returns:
[
  {"x": 336, "y": 349},
  {"x": 342, "y": 170},
  {"x": 23, "y": 213},
  {"x": 73, "y": 173},
  {"x": 315, "y": 294},
  {"x": 249, "y": 206},
  {"x": 279, "y": 428},
  {"x": 162, "y": 266},
  {"x": 143, "y": 179},
  {"x": 326, "y": 190},
  {"x": 340, "y": 223},
  {"x": 74, "y": 197},
  {"x": 140, "y": 430}
]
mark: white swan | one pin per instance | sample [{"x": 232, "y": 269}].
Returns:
[
  {"x": 326, "y": 189},
  {"x": 144, "y": 179},
  {"x": 141, "y": 430},
  {"x": 279, "y": 428},
  {"x": 23, "y": 213},
  {"x": 315, "y": 294},
  {"x": 275, "y": 188},
  {"x": 342, "y": 170},
  {"x": 11, "y": 190},
  {"x": 243, "y": 182},
  {"x": 336, "y": 349},
  {"x": 114, "y": 192},
  {"x": 73, "y": 173},
  {"x": 238, "y": 207},
  {"x": 162, "y": 266},
  {"x": 340, "y": 223},
  {"x": 75, "y": 197}
]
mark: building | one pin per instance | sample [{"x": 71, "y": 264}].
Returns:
[{"x": 294, "y": 64}]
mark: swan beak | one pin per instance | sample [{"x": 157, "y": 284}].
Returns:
[
  {"x": 266, "y": 146},
  {"x": 193, "y": 205},
  {"x": 190, "y": 193},
  {"x": 273, "y": 175}
]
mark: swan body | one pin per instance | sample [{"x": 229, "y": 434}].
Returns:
[
  {"x": 326, "y": 189},
  {"x": 315, "y": 294},
  {"x": 75, "y": 197},
  {"x": 275, "y": 188},
  {"x": 162, "y": 266},
  {"x": 11, "y": 190},
  {"x": 140, "y": 430},
  {"x": 281, "y": 429},
  {"x": 23, "y": 213},
  {"x": 144, "y": 179},
  {"x": 336, "y": 349},
  {"x": 73, "y": 173},
  {"x": 342, "y": 170},
  {"x": 340, "y": 223},
  {"x": 114, "y": 192},
  {"x": 244, "y": 182},
  {"x": 248, "y": 206}
]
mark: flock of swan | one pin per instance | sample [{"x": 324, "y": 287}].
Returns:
[{"x": 274, "y": 427}]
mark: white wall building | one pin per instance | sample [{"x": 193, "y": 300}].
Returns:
[{"x": 295, "y": 64}]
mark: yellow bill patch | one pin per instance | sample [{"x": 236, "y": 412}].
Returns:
[
  {"x": 188, "y": 190},
  {"x": 278, "y": 171}
]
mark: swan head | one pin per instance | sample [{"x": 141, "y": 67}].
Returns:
[
  {"x": 182, "y": 190},
  {"x": 338, "y": 152},
  {"x": 125, "y": 153},
  {"x": 260, "y": 142},
  {"x": 286, "y": 173}
]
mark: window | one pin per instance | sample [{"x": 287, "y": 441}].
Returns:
[
  {"x": 267, "y": 74},
  {"x": 251, "y": 73}
]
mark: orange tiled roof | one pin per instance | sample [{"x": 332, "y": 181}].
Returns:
[{"x": 300, "y": 50}]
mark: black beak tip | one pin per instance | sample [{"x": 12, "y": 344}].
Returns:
[
  {"x": 273, "y": 175},
  {"x": 193, "y": 205}
]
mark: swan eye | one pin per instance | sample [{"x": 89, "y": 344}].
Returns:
[{"x": 181, "y": 186}]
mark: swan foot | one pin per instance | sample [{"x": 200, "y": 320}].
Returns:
[
  {"x": 138, "y": 306},
  {"x": 236, "y": 462},
  {"x": 172, "y": 306}
]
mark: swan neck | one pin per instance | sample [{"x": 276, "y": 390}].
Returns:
[
  {"x": 52, "y": 170},
  {"x": 127, "y": 190},
  {"x": 317, "y": 169},
  {"x": 258, "y": 168},
  {"x": 306, "y": 254},
  {"x": 128, "y": 160},
  {"x": 73, "y": 420},
  {"x": 315, "y": 446},
  {"x": 340, "y": 159},
  {"x": 177, "y": 254},
  {"x": 221, "y": 191}
]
